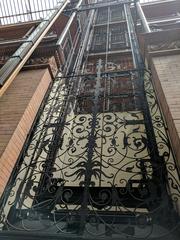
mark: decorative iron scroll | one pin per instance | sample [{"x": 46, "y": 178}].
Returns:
[
  {"x": 164, "y": 46},
  {"x": 102, "y": 182},
  {"x": 90, "y": 168},
  {"x": 163, "y": 142},
  {"x": 114, "y": 64}
]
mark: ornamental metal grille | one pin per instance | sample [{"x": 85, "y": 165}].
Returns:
[
  {"x": 90, "y": 172},
  {"x": 98, "y": 162}
]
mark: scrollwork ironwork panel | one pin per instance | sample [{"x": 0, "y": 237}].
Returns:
[
  {"x": 102, "y": 181},
  {"x": 98, "y": 163}
]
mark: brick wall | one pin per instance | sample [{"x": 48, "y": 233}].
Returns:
[
  {"x": 18, "y": 107},
  {"x": 166, "y": 72}
]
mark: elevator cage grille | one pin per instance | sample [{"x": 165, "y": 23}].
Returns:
[{"x": 97, "y": 162}]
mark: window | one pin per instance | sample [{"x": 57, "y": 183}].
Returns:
[
  {"x": 118, "y": 37},
  {"x": 102, "y": 16},
  {"x": 117, "y": 14},
  {"x": 99, "y": 40}
]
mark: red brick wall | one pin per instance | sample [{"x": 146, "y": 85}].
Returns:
[
  {"x": 166, "y": 72},
  {"x": 18, "y": 107}
]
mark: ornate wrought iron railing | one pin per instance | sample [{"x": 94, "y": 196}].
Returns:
[
  {"x": 98, "y": 163},
  {"x": 91, "y": 172}
]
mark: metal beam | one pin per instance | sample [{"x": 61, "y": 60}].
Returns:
[
  {"x": 159, "y": 170},
  {"x": 167, "y": 20},
  {"x": 66, "y": 29},
  {"x": 143, "y": 18},
  {"x": 132, "y": 38},
  {"x": 92, "y": 6},
  {"x": 13, "y": 66}
]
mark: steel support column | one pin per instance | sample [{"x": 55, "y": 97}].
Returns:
[
  {"x": 66, "y": 29},
  {"x": 143, "y": 18},
  {"x": 157, "y": 161}
]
